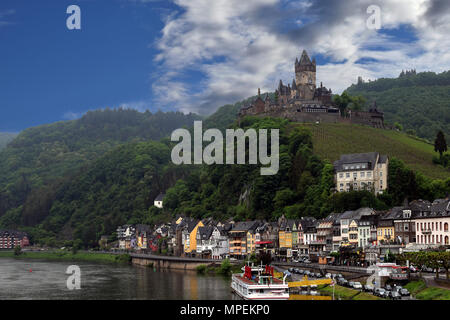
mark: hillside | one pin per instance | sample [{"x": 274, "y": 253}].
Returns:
[
  {"x": 5, "y": 138},
  {"x": 332, "y": 140},
  {"x": 118, "y": 188},
  {"x": 419, "y": 102},
  {"x": 41, "y": 158}
]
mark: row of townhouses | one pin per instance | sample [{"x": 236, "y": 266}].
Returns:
[
  {"x": 10, "y": 239},
  {"x": 414, "y": 226}
]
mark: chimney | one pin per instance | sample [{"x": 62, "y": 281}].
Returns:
[{"x": 259, "y": 92}]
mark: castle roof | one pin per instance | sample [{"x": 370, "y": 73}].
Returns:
[{"x": 305, "y": 60}]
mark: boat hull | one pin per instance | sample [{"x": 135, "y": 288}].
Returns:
[{"x": 252, "y": 291}]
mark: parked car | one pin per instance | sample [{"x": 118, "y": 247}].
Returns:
[
  {"x": 379, "y": 292},
  {"x": 297, "y": 271},
  {"x": 412, "y": 269},
  {"x": 307, "y": 261},
  {"x": 318, "y": 275},
  {"x": 386, "y": 294},
  {"x": 328, "y": 275},
  {"x": 404, "y": 292},
  {"x": 397, "y": 288},
  {"x": 368, "y": 288},
  {"x": 394, "y": 295},
  {"x": 350, "y": 284},
  {"x": 339, "y": 275},
  {"x": 307, "y": 273},
  {"x": 291, "y": 270},
  {"x": 357, "y": 285},
  {"x": 345, "y": 283},
  {"x": 388, "y": 287}
]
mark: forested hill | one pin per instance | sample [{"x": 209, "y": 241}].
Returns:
[
  {"x": 419, "y": 102},
  {"x": 39, "y": 157},
  {"x": 5, "y": 138}
]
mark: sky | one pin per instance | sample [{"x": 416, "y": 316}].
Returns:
[{"x": 197, "y": 55}]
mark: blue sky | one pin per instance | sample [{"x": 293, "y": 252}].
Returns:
[{"x": 196, "y": 55}]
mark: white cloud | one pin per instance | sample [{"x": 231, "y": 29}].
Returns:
[{"x": 239, "y": 46}]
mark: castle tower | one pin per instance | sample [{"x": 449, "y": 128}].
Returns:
[{"x": 305, "y": 76}]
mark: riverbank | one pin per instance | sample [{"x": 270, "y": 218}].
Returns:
[
  {"x": 69, "y": 256},
  {"x": 224, "y": 269},
  {"x": 421, "y": 291},
  {"x": 343, "y": 293}
]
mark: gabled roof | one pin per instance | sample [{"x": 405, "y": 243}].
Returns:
[
  {"x": 160, "y": 197},
  {"x": 13, "y": 233},
  {"x": 245, "y": 226},
  {"x": 420, "y": 205},
  {"x": 357, "y": 214},
  {"x": 370, "y": 158},
  {"x": 205, "y": 232},
  {"x": 305, "y": 222}
]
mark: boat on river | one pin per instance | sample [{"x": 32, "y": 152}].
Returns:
[{"x": 259, "y": 283}]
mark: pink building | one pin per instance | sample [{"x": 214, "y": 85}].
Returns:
[{"x": 432, "y": 226}]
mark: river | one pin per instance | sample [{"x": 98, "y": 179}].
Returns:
[{"x": 38, "y": 279}]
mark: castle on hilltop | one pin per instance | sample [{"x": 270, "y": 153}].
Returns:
[{"x": 303, "y": 101}]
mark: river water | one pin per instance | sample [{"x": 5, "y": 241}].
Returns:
[{"x": 36, "y": 279}]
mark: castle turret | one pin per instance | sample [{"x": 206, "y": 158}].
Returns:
[{"x": 305, "y": 76}]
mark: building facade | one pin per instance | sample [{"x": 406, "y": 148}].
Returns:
[{"x": 361, "y": 171}]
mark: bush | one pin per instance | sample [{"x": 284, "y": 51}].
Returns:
[
  {"x": 17, "y": 250},
  {"x": 225, "y": 267},
  {"x": 201, "y": 269}
]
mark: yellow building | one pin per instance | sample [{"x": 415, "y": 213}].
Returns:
[
  {"x": 385, "y": 231},
  {"x": 179, "y": 220},
  {"x": 190, "y": 246},
  {"x": 353, "y": 232},
  {"x": 250, "y": 242},
  {"x": 285, "y": 239}
]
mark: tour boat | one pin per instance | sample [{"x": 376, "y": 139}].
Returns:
[{"x": 258, "y": 283}]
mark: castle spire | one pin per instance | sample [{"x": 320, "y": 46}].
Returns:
[
  {"x": 259, "y": 92},
  {"x": 305, "y": 60}
]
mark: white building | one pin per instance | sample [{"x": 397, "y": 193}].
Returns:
[
  {"x": 361, "y": 171},
  {"x": 159, "y": 201}
]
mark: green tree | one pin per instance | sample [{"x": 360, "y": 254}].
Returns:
[
  {"x": 398, "y": 126},
  {"x": 342, "y": 101},
  {"x": 440, "y": 145},
  {"x": 17, "y": 250}
]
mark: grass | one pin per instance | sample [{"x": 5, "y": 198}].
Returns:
[
  {"x": 344, "y": 293},
  {"x": 414, "y": 287},
  {"x": 332, "y": 140},
  {"x": 69, "y": 256},
  {"x": 420, "y": 290}
]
